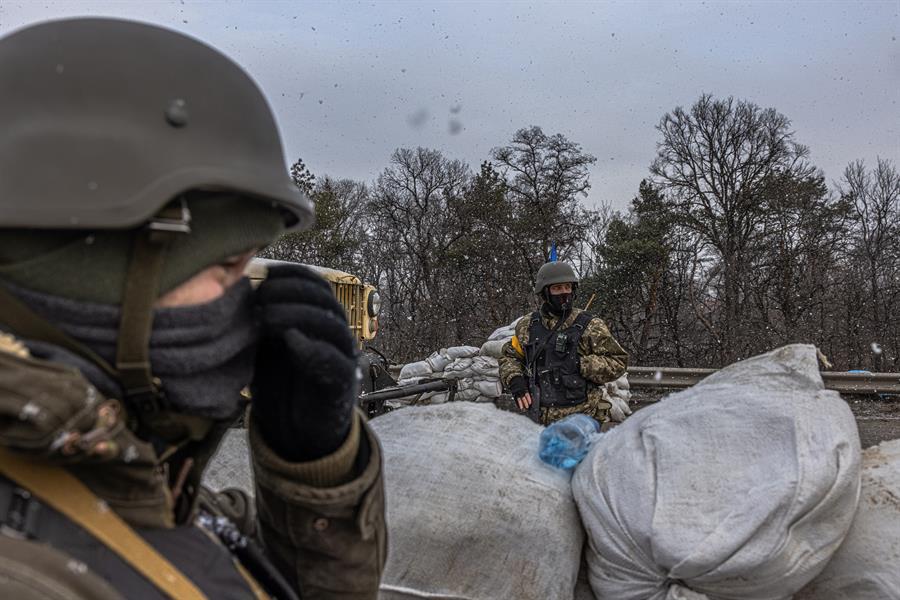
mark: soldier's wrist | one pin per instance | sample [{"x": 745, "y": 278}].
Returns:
[{"x": 517, "y": 386}]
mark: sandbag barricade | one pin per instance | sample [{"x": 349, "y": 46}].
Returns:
[
  {"x": 741, "y": 487},
  {"x": 867, "y": 565},
  {"x": 472, "y": 513},
  {"x": 477, "y": 373}
]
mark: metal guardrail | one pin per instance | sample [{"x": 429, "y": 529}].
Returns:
[
  {"x": 677, "y": 377},
  {"x": 848, "y": 383}
]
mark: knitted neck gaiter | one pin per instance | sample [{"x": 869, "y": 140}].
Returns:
[{"x": 203, "y": 353}]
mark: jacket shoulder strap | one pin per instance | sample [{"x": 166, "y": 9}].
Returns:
[
  {"x": 582, "y": 320},
  {"x": 61, "y": 491}
]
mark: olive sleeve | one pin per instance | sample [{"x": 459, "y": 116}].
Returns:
[
  {"x": 602, "y": 358},
  {"x": 325, "y": 532},
  {"x": 512, "y": 359}
]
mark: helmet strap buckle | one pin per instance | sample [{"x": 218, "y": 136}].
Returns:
[{"x": 174, "y": 218}]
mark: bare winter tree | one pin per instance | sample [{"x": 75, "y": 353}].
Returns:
[
  {"x": 875, "y": 199},
  {"x": 546, "y": 177},
  {"x": 413, "y": 229},
  {"x": 713, "y": 161}
]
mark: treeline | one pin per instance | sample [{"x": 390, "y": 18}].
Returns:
[{"x": 733, "y": 245}]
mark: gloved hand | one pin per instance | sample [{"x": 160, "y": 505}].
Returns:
[
  {"x": 306, "y": 380},
  {"x": 518, "y": 387}
]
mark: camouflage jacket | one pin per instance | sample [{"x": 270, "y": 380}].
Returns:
[
  {"x": 601, "y": 358},
  {"x": 325, "y": 535}
]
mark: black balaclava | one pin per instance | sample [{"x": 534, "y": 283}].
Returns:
[{"x": 559, "y": 304}]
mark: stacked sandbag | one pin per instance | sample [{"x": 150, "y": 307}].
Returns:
[
  {"x": 493, "y": 347},
  {"x": 743, "y": 486},
  {"x": 867, "y": 565},
  {"x": 471, "y": 511},
  {"x": 477, "y": 375}
]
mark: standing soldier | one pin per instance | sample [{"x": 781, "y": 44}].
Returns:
[
  {"x": 141, "y": 169},
  {"x": 560, "y": 356}
]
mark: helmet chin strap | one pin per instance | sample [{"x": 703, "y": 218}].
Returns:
[{"x": 142, "y": 391}]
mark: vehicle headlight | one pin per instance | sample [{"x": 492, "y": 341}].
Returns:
[{"x": 374, "y": 304}]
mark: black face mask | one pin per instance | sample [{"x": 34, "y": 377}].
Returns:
[{"x": 559, "y": 304}]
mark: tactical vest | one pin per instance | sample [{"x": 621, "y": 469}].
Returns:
[{"x": 552, "y": 356}]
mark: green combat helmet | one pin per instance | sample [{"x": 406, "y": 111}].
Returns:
[
  {"x": 551, "y": 273},
  {"x": 113, "y": 127},
  {"x": 105, "y": 122}
]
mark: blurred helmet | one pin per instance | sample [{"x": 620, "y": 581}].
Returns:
[{"x": 105, "y": 121}]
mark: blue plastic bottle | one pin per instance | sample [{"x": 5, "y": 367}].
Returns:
[{"x": 564, "y": 443}]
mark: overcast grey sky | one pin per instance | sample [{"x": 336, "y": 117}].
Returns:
[{"x": 351, "y": 81}]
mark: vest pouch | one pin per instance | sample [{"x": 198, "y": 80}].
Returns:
[
  {"x": 550, "y": 382},
  {"x": 576, "y": 388}
]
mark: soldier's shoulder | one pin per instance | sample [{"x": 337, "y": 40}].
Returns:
[
  {"x": 524, "y": 320},
  {"x": 597, "y": 326},
  {"x": 522, "y": 326}
]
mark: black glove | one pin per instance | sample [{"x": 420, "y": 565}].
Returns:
[
  {"x": 306, "y": 380},
  {"x": 518, "y": 387}
]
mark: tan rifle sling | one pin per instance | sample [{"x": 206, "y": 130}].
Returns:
[{"x": 64, "y": 493}]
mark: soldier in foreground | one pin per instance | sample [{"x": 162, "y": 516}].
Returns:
[
  {"x": 560, "y": 356},
  {"x": 141, "y": 170}
]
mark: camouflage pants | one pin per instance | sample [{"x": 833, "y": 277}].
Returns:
[{"x": 595, "y": 406}]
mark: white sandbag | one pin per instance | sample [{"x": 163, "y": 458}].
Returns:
[
  {"x": 741, "y": 487},
  {"x": 493, "y": 348},
  {"x": 465, "y": 383},
  {"x": 623, "y": 394},
  {"x": 468, "y": 394},
  {"x": 491, "y": 389},
  {"x": 472, "y": 513},
  {"x": 486, "y": 366},
  {"x": 438, "y": 398},
  {"x": 867, "y": 565},
  {"x": 461, "y": 352},
  {"x": 620, "y": 409},
  {"x": 415, "y": 369},
  {"x": 459, "y": 364},
  {"x": 437, "y": 361},
  {"x": 582, "y": 585},
  {"x": 613, "y": 389},
  {"x": 505, "y": 332}
]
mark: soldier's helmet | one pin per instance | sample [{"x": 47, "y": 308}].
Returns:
[
  {"x": 113, "y": 134},
  {"x": 105, "y": 121},
  {"x": 551, "y": 273}
]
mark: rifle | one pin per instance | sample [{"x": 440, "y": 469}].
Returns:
[
  {"x": 373, "y": 402},
  {"x": 534, "y": 411}
]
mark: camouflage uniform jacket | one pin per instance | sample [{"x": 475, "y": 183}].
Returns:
[
  {"x": 601, "y": 358},
  {"x": 323, "y": 531}
]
